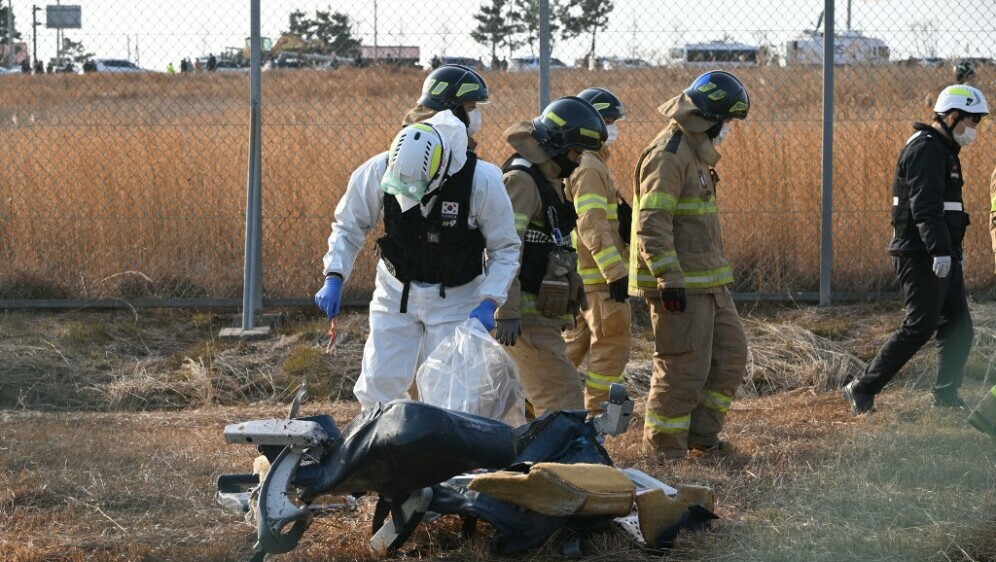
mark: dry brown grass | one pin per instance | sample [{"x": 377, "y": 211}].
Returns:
[
  {"x": 167, "y": 359},
  {"x": 809, "y": 481},
  {"x": 106, "y": 176}
]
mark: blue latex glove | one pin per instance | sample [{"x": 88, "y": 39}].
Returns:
[
  {"x": 485, "y": 314},
  {"x": 329, "y": 298}
]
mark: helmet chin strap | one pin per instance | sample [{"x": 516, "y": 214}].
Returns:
[
  {"x": 714, "y": 130},
  {"x": 949, "y": 129}
]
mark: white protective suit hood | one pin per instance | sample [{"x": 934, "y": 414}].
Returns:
[{"x": 454, "y": 134}]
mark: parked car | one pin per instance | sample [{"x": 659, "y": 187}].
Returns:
[
  {"x": 533, "y": 63},
  {"x": 472, "y": 63},
  {"x": 230, "y": 66},
  {"x": 611, "y": 63},
  {"x": 116, "y": 66}
]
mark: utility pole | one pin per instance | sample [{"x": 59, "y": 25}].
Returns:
[
  {"x": 58, "y": 41},
  {"x": 34, "y": 33},
  {"x": 10, "y": 35}
]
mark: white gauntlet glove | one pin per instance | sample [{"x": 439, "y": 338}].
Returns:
[{"x": 942, "y": 266}]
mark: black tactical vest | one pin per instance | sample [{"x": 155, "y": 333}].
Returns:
[
  {"x": 440, "y": 248},
  {"x": 559, "y": 213}
]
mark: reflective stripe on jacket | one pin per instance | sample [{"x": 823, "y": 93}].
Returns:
[
  {"x": 676, "y": 229},
  {"x": 602, "y": 254}
]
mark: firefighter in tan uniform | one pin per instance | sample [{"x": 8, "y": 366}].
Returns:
[
  {"x": 548, "y": 290},
  {"x": 602, "y": 330},
  {"x": 992, "y": 209},
  {"x": 677, "y": 263}
]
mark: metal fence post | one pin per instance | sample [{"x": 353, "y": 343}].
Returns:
[
  {"x": 252, "y": 291},
  {"x": 544, "y": 48},
  {"x": 826, "y": 214}
]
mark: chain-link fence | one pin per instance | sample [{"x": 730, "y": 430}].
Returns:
[{"x": 124, "y": 169}]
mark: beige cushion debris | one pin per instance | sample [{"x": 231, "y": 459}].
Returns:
[
  {"x": 658, "y": 511},
  {"x": 562, "y": 489}
]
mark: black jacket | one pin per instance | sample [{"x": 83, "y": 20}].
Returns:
[{"x": 927, "y": 213}]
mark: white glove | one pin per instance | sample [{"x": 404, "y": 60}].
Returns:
[{"x": 942, "y": 266}]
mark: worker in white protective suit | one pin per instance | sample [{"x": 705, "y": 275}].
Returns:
[{"x": 449, "y": 252}]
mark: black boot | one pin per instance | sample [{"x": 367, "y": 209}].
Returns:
[{"x": 861, "y": 402}]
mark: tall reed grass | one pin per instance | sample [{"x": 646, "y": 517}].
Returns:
[{"x": 134, "y": 186}]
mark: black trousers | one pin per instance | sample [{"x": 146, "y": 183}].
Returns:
[{"x": 933, "y": 306}]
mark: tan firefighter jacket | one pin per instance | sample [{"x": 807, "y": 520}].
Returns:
[
  {"x": 602, "y": 253},
  {"x": 528, "y": 209},
  {"x": 992, "y": 209},
  {"x": 676, "y": 228}
]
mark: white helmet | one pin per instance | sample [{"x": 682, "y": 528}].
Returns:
[
  {"x": 416, "y": 162},
  {"x": 965, "y": 98}
]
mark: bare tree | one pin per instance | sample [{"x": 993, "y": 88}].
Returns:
[
  {"x": 528, "y": 18},
  {"x": 925, "y": 35},
  {"x": 585, "y": 16},
  {"x": 497, "y": 26}
]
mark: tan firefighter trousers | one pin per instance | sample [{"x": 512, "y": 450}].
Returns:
[
  {"x": 602, "y": 333},
  {"x": 549, "y": 381},
  {"x": 699, "y": 361}
]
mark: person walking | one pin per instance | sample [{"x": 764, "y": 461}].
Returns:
[
  {"x": 449, "y": 250},
  {"x": 929, "y": 221},
  {"x": 601, "y": 331},
  {"x": 700, "y": 349},
  {"x": 548, "y": 292}
]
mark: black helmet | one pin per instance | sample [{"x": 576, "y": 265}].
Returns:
[
  {"x": 964, "y": 70},
  {"x": 719, "y": 95},
  {"x": 607, "y": 104},
  {"x": 569, "y": 122},
  {"x": 452, "y": 85}
]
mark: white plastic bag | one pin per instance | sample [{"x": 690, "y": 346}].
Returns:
[{"x": 470, "y": 372}]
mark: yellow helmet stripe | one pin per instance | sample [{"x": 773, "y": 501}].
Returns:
[
  {"x": 467, "y": 88},
  {"x": 555, "y": 118}
]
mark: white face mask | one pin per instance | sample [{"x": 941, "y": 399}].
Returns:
[
  {"x": 613, "y": 135},
  {"x": 966, "y": 137},
  {"x": 722, "y": 134},
  {"x": 474, "y": 117}
]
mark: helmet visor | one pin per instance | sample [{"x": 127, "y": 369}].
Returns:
[{"x": 413, "y": 189}]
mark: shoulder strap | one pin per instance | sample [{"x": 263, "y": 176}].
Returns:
[{"x": 548, "y": 196}]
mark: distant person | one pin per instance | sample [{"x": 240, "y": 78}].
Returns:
[
  {"x": 26, "y": 66},
  {"x": 170, "y": 69},
  {"x": 929, "y": 222},
  {"x": 495, "y": 63},
  {"x": 504, "y": 63},
  {"x": 184, "y": 66},
  {"x": 964, "y": 71},
  {"x": 89, "y": 66},
  {"x": 212, "y": 63},
  {"x": 50, "y": 67},
  {"x": 436, "y": 62},
  {"x": 39, "y": 67}
]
